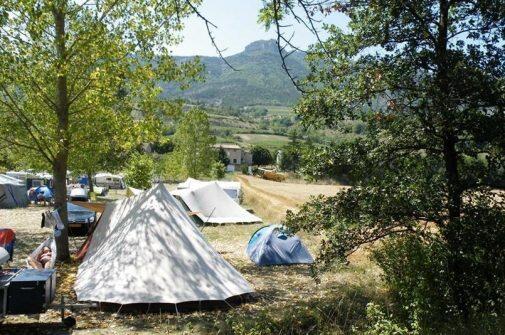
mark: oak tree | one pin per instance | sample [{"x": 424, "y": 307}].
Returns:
[{"x": 427, "y": 77}]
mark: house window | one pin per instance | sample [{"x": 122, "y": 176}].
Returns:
[{"x": 234, "y": 161}]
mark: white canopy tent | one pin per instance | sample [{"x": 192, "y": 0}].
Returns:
[
  {"x": 147, "y": 250},
  {"x": 12, "y": 192},
  {"x": 232, "y": 188},
  {"x": 211, "y": 204}
]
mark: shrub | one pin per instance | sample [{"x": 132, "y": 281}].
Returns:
[
  {"x": 416, "y": 273},
  {"x": 244, "y": 169},
  {"x": 163, "y": 147},
  {"x": 381, "y": 324},
  {"x": 289, "y": 158},
  {"x": 218, "y": 170},
  {"x": 450, "y": 286}
]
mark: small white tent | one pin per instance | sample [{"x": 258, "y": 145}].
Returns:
[
  {"x": 232, "y": 188},
  {"x": 12, "y": 192},
  {"x": 211, "y": 204},
  {"x": 147, "y": 250}
]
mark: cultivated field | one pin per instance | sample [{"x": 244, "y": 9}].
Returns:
[
  {"x": 272, "y": 142},
  {"x": 288, "y": 298}
]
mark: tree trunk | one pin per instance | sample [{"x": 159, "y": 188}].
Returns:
[
  {"x": 452, "y": 229},
  {"x": 60, "y": 199},
  {"x": 452, "y": 174},
  {"x": 90, "y": 181},
  {"x": 450, "y": 138},
  {"x": 62, "y": 106}
]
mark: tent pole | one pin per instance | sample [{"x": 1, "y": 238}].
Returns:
[
  {"x": 208, "y": 218},
  {"x": 229, "y": 304}
]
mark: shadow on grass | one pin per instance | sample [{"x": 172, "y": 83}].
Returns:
[
  {"x": 34, "y": 328},
  {"x": 335, "y": 315},
  {"x": 25, "y": 244}
]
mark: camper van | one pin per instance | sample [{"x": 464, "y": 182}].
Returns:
[{"x": 109, "y": 180}]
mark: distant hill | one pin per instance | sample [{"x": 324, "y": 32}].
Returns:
[{"x": 260, "y": 79}]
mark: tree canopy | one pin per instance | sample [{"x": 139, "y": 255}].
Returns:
[
  {"x": 74, "y": 75},
  {"x": 261, "y": 155},
  {"x": 193, "y": 154},
  {"x": 427, "y": 77}
]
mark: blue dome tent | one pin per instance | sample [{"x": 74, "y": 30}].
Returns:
[
  {"x": 46, "y": 191},
  {"x": 273, "y": 245}
]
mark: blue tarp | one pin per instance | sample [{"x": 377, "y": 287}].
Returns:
[
  {"x": 83, "y": 180},
  {"x": 46, "y": 191},
  {"x": 273, "y": 245},
  {"x": 79, "y": 214}
]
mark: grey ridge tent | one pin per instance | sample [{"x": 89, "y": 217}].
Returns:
[
  {"x": 232, "y": 188},
  {"x": 12, "y": 192},
  {"x": 211, "y": 204},
  {"x": 146, "y": 250}
]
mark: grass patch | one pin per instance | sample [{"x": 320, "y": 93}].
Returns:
[{"x": 289, "y": 300}]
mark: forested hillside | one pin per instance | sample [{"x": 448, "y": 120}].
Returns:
[{"x": 259, "y": 79}]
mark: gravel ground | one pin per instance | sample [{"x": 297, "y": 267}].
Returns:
[{"x": 26, "y": 224}]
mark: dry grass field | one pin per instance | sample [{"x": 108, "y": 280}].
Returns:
[
  {"x": 271, "y": 199},
  {"x": 288, "y": 298}
]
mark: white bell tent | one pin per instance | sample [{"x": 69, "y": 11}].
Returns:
[{"x": 146, "y": 250}]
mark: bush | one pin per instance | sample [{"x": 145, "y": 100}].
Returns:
[
  {"x": 244, "y": 169},
  {"x": 416, "y": 274},
  {"x": 446, "y": 287},
  {"x": 218, "y": 170},
  {"x": 139, "y": 171},
  {"x": 380, "y": 324},
  {"x": 163, "y": 147}
]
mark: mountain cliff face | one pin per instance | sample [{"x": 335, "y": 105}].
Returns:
[{"x": 260, "y": 79}]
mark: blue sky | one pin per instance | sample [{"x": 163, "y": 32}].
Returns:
[{"x": 237, "y": 27}]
